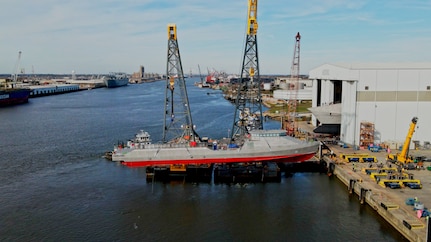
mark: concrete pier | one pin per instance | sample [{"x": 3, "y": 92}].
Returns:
[
  {"x": 389, "y": 203},
  {"x": 53, "y": 89}
]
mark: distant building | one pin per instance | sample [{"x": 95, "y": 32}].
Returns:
[
  {"x": 138, "y": 77},
  {"x": 287, "y": 90},
  {"x": 385, "y": 95}
]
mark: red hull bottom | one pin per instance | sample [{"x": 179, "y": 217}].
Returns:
[
  {"x": 13, "y": 101},
  {"x": 289, "y": 158}
]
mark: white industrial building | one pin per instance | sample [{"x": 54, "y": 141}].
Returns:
[
  {"x": 287, "y": 89},
  {"x": 385, "y": 95}
]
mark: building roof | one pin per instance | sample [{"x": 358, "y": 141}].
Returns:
[
  {"x": 385, "y": 65},
  {"x": 328, "y": 114},
  {"x": 351, "y": 71}
]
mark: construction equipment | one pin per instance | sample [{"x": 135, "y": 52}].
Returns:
[
  {"x": 291, "y": 124},
  {"x": 404, "y": 157},
  {"x": 363, "y": 157},
  {"x": 15, "y": 70},
  {"x": 178, "y": 125},
  {"x": 248, "y": 103},
  {"x": 400, "y": 183},
  {"x": 371, "y": 170}
]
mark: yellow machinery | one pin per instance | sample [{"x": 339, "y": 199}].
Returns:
[
  {"x": 411, "y": 183},
  {"x": 364, "y": 157},
  {"x": 371, "y": 170},
  {"x": 252, "y": 17},
  {"x": 178, "y": 168},
  {"x": 390, "y": 183},
  {"x": 404, "y": 157},
  {"x": 383, "y": 175},
  {"x": 378, "y": 176}
]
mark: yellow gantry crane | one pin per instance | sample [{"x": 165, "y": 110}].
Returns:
[
  {"x": 404, "y": 157},
  {"x": 248, "y": 111},
  {"x": 178, "y": 125}
]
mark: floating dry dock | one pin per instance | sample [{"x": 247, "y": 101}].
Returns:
[{"x": 390, "y": 204}]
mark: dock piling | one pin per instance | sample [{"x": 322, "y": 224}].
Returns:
[
  {"x": 351, "y": 185},
  {"x": 362, "y": 195}
]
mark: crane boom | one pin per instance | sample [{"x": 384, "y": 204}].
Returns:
[
  {"x": 15, "y": 71},
  {"x": 200, "y": 75},
  {"x": 294, "y": 77},
  {"x": 406, "y": 146},
  {"x": 404, "y": 157}
]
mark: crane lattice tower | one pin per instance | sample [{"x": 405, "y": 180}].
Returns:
[
  {"x": 248, "y": 111},
  {"x": 178, "y": 126},
  {"x": 291, "y": 123}
]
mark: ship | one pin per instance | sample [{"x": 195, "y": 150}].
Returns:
[
  {"x": 257, "y": 146},
  {"x": 116, "y": 79},
  {"x": 10, "y": 94},
  {"x": 181, "y": 145},
  {"x": 14, "y": 96}
]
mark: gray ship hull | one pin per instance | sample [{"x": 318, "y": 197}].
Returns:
[{"x": 257, "y": 148}]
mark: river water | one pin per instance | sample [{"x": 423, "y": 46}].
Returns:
[{"x": 56, "y": 186}]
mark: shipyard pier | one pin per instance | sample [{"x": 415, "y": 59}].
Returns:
[{"x": 399, "y": 194}]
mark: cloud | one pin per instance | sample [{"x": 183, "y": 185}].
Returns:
[{"x": 58, "y": 36}]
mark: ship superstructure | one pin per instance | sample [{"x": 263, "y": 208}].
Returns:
[{"x": 116, "y": 79}]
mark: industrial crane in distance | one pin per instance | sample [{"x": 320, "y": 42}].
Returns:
[
  {"x": 290, "y": 124},
  {"x": 403, "y": 157}
]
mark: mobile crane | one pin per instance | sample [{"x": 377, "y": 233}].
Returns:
[{"x": 404, "y": 156}]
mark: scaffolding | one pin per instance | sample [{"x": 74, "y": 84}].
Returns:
[{"x": 366, "y": 134}]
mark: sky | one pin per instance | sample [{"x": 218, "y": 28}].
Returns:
[{"x": 101, "y": 36}]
